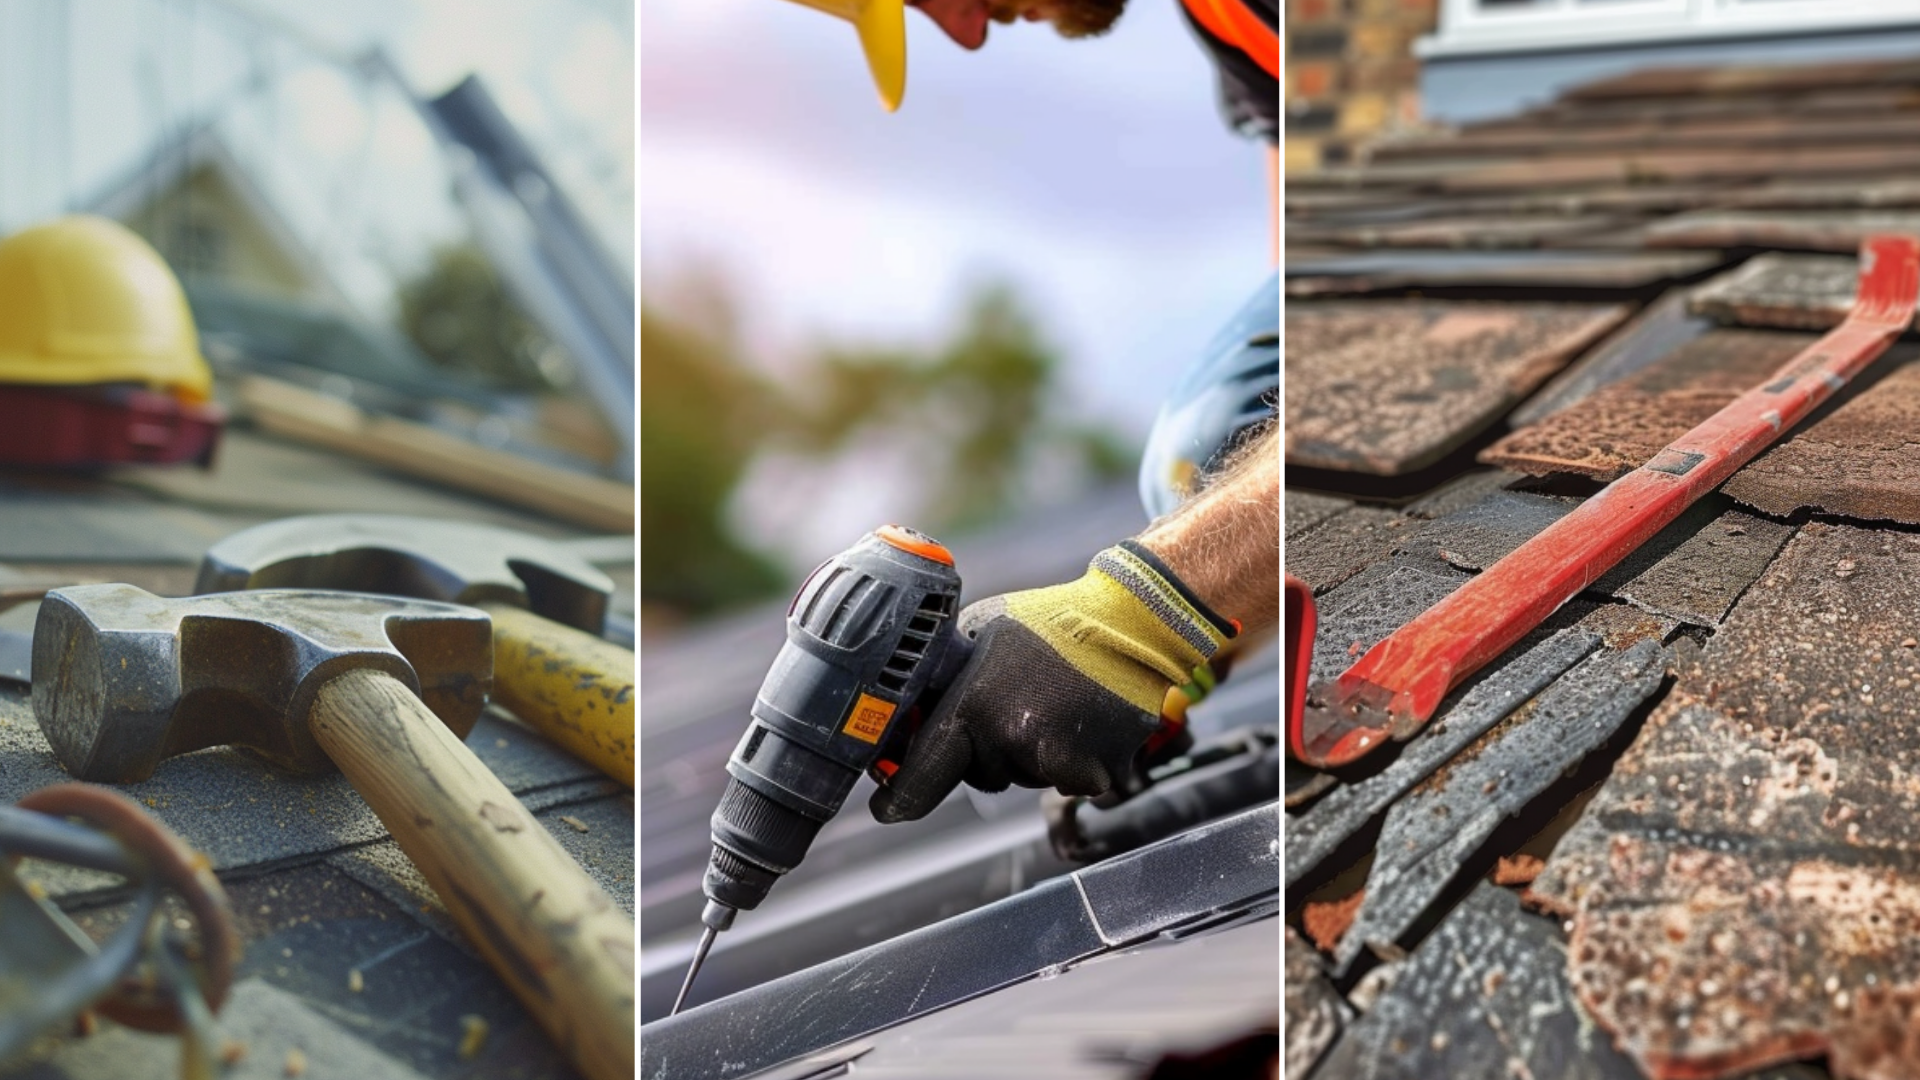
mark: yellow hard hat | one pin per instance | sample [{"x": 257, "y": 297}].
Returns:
[
  {"x": 883, "y": 34},
  {"x": 84, "y": 300}
]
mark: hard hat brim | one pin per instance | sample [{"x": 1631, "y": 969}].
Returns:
[{"x": 883, "y": 35}]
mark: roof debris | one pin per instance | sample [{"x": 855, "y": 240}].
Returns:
[
  {"x": 1517, "y": 869},
  {"x": 1325, "y": 923}
]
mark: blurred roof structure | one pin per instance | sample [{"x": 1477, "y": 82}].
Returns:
[
  {"x": 210, "y": 218},
  {"x": 1708, "y": 746}
]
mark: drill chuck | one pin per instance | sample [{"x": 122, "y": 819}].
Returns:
[{"x": 755, "y": 841}]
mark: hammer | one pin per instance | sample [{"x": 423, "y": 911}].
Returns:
[
  {"x": 547, "y": 606},
  {"x": 385, "y": 689}
]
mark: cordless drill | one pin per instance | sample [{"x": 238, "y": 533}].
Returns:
[{"x": 870, "y": 646}]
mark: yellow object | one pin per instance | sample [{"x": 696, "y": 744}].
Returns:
[
  {"x": 883, "y": 35},
  {"x": 575, "y": 688},
  {"x": 868, "y": 719},
  {"x": 84, "y": 300},
  {"x": 1122, "y": 626}
]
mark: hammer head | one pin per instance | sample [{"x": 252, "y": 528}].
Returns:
[
  {"x": 126, "y": 679},
  {"x": 454, "y": 561}
]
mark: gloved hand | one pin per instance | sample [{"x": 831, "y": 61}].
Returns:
[{"x": 1064, "y": 684}]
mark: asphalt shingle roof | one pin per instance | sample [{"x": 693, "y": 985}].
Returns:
[{"x": 1712, "y": 753}]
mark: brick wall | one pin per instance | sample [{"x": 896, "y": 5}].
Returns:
[{"x": 1350, "y": 74}]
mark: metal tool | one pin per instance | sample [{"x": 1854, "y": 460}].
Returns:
[
  {"x": 1392, "y": 691},
  {"x": 870, "y": 644},
  {"x": 1218, "y": 873},
  {"x": 149, "y": 975},
  {"x": 547, "y": 605},
  {"x": 313, "y": 680}
]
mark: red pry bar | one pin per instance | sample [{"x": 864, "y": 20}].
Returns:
[{"x": 1394, "y": 689}]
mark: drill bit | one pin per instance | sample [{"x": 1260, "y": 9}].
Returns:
[{"x": 707, "y": 934}]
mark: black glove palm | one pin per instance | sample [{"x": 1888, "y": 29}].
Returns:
[{"x": 1064, "y": 685}]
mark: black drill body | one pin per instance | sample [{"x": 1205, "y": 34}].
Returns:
[{"x": 870, "y": 645}]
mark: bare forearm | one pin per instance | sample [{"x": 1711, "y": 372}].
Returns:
[{"x": 1225, "y": 542}]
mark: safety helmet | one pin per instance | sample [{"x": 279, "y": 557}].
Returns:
[
  {"x": 83, "y": 301},
  {"x": 1233, "y": 389},
  {"x": 883, "y": 35}
]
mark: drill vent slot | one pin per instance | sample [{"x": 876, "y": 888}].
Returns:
[
  {"x": 843, "y": 606},
  {"x": 915, "y": 640}
]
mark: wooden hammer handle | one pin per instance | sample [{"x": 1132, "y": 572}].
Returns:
[
  {"x": 554, "y": 935},
  {"x": 575, "y": 688}
]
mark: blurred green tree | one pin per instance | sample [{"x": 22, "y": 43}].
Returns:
[
  {"x": 976, "y": 410},
  {"x": 979, "y": 404},
  {"x": 458, "y": 312},
  {"x": 702, "y": 420}
]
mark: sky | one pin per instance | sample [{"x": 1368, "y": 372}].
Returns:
[
  {"x": 88, "y": 87},
  {"x": 1094, "y": 175}
]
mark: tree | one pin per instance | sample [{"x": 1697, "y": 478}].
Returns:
[
  {"x": 701, "y": 414},
  {"x": 460, "y": 315},
  {"x": 974, "y": 412}
]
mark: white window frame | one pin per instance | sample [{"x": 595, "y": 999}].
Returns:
[{"x": 1469, "y": 27}]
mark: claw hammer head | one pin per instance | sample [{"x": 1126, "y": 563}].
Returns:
[
  {"x": 453, "y": 561},
  {"x": 126, "y": 679}
]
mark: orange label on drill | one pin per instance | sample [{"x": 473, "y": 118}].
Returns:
[{"x": 868, "y": 720}]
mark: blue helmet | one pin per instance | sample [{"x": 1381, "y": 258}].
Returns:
[{"x": 1234, "y": 388}]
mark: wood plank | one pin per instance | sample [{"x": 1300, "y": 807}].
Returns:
[
  {"x": 417, "y": 450},
  {"x": 1386, "y": 388}
]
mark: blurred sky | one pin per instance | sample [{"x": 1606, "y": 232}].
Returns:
[
  {"x": 1096, "y": 175},
  {"x": 89, "y": 87}
]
